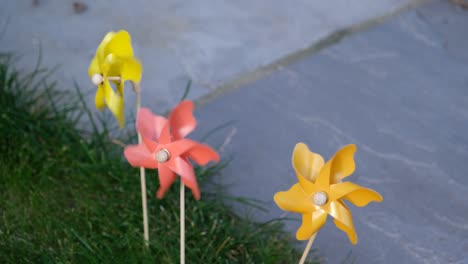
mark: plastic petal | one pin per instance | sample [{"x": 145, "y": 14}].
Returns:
[
  {"x": 296, "y": 199},
  {"x": 150, "y": 144},
  {"x": 343, "y": 163},
  {"x": 356, "y": 194},
  {"x": 202, "y": 154},
  {"x": 131, "y": 69},
  {"x": 305, "y": 162},
  {"x": 112, "y": 66},
  {"x": 101, "y": 50},
  {"x": 166, "y": 178},
  {"x": 99, "y": 98},
  {"x": 139, "y": 156},
  {"x": 179, "y": 147},
  {"x": 323, "y": 179},
  {"x": 114, "y": 102},
  {"x": 307, "y": 185},
  {"x": 186, "y": 172},
  {"x": 94, "y": 67},
  {"x": 119, "y": 44},
  {"x": 349, "y": 230},
  {"x": 165, "y": 136},
  {"x": 149, "y": 125},
  {"x": 342, "y": 215},
  {"x": 311, "y": 223},
  {"x": 182, "y": 120}
]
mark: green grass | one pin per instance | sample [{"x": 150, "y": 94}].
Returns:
[{"x": 67, "y": 195}]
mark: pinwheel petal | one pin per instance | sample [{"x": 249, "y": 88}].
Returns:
[
  {"x": 101, "y": 50},
  {"x": 119, "y": 44},
  {"x": 308, "y": 186},
  {"x": 165, "y": 136},
  {"x": 166, "y": 178},
  {"x": 99, "y": 98},
  {"x": 149, "y": 125},
  {"x": 112, "y": 66},
  {"x": 311, "y": 223},
  {"x": 305, "y": 162},
  {"x": 356, "y": 194},
  {"x": 342, "y": 214},
  {"x": 150, "y": 144},
  {"x": 323, "y": 178},
  {"x": 348, "y": 229},
  {"x": 114, "y": 102},
  {"x": 131, "y": 70},
  {"x": 202, "y": 154},
  {"x": 139, "y": 156},
  {"x": 186, "y": 172},
  {"x": 343, "y": 163},
  {"x": 182, "y": 120},
  {"x": 94, "y": 67},
  {"x": 296, "y": 199}
]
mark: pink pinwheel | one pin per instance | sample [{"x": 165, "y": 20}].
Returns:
[{"x": 164, "y": 147}]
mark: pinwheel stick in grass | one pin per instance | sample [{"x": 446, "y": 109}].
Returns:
[
  {"x": 164, "y": 147},
  {"x": 115, "y": 63},
  {"x": 320, "y": 192}
]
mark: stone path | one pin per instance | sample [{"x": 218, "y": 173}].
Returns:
[
  {"x": 210, "y": 42},
  {"x": 400, "y": 92}
]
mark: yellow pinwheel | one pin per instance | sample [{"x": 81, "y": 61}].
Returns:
[
  {"x": 114, "y": 62},
  {"x": 321, "y": 192}
]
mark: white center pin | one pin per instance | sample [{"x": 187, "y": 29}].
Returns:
[
  {"x": 163, "y": 155},
  {"x": 97, "y": 79},
  {"x": 320, "y": 198}
]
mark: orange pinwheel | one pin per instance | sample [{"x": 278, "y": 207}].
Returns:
[
  {"x": 164, "y": 147},
  {"x": 321, "y": 192}
]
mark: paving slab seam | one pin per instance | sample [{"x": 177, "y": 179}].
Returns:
[{"x": 315, "y": 47}]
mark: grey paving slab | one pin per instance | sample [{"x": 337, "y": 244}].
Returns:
[
  {"x": 210, "y": 42},
  {"x": 400, "y": 92}
]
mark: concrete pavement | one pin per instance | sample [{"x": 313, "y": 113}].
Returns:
[
  {"x": 400, "y": 92},
  {"x": 210, "y": 42}
]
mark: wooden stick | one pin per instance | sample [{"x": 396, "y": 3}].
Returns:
[
  {"x": 136, "y": 88},
  {"x": 182, "y": 222},
  {"x": 307, "y": 249}
]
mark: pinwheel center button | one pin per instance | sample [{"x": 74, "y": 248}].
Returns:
[
  {"x": 163, "y": 155},
  {"x": 320, "y": 198},
  {"x": 97, "y": 79}
]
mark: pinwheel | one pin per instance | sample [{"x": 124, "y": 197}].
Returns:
[
  {"x": 114, "y": 62},
  {"x": 164, "y": 147},
  {"x": 320, "y": 192}
]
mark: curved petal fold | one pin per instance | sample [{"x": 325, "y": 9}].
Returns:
[
  {"x": 166, "y": 179},
  {"x": 186, "y": 172},
  {"x": 99, "y": 100},
  {"x": 347, "y": 228},
  {"x": 311, "y": 223},
  {"x": 149, "y": 125},
  {"x": 296, "y": 199},
  {"x": 181, "y": 120},
  {"x": 305, "y": 162},
  {"x": 114, "y": 102},
  {"x": 119, "y": 44},
  {"x": 131, "y": 70},
  {"x": 139, "y": 156},
  {"x": 202, "y": 154},
  {"x": 343, "y": 163},
  {"x": 94, "y": 67},
  {"x": 342, "y": 214}
]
